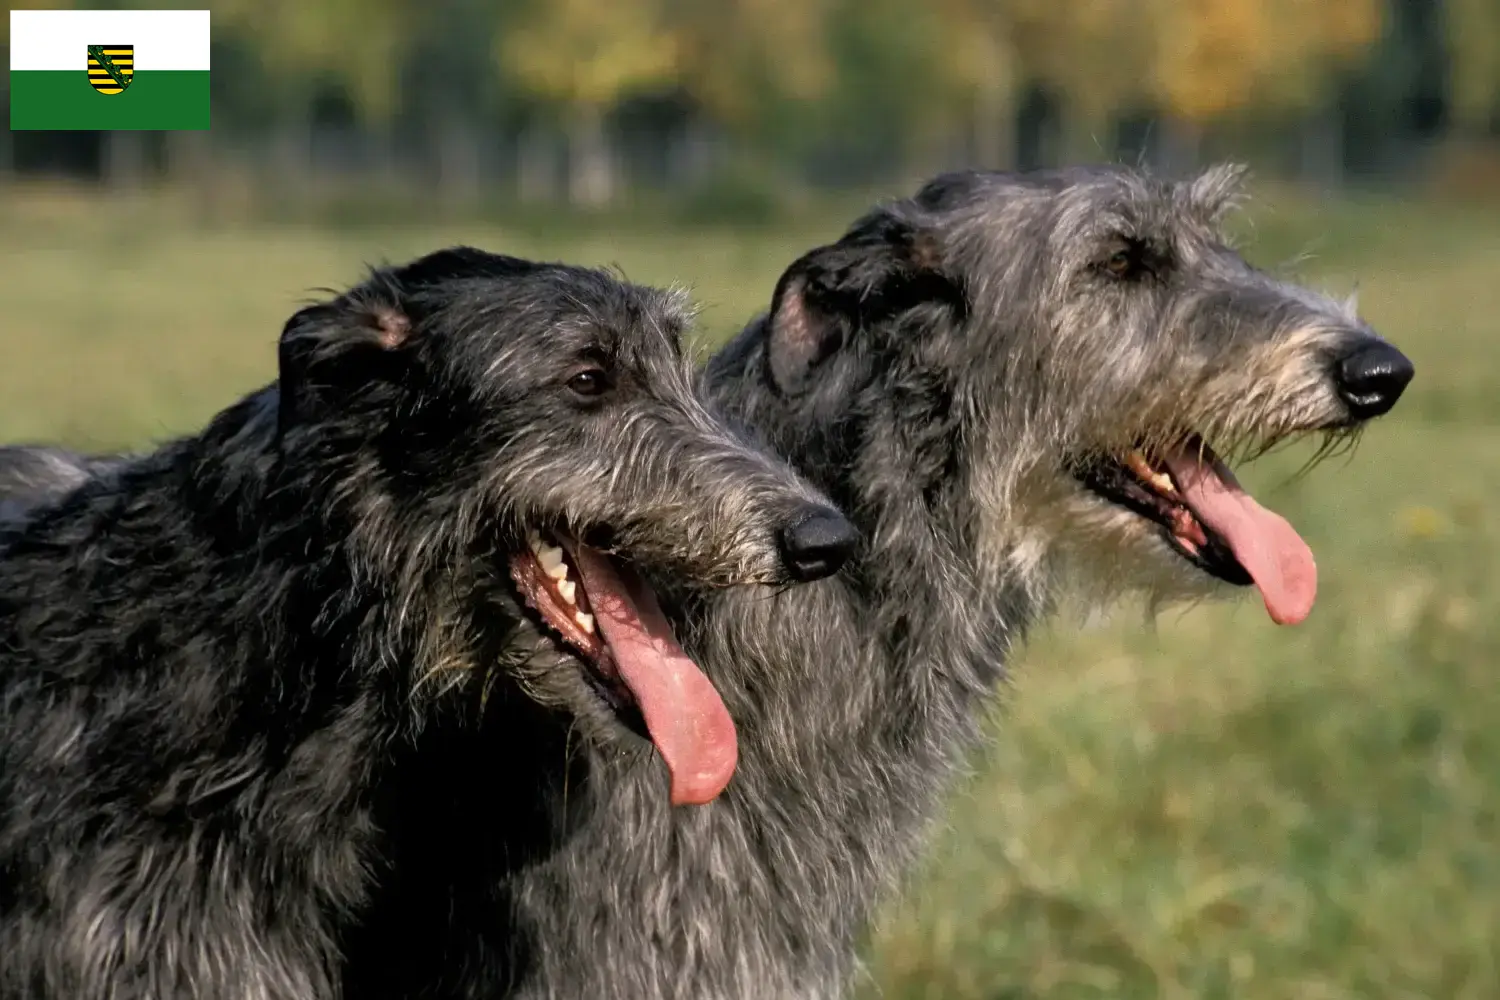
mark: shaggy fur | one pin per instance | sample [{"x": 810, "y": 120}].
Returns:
[
  {"x": 30, "y": 474},
  {"x": 944, "y": 371},
  {"x": 213, "y": 653}
]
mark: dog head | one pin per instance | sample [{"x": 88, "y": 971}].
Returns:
[
  {"x": 1071, "y": 353},
  {"x": 531, "y": 433}
]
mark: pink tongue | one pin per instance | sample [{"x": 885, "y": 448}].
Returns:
[
  {"x": 686, "y": 717},
  {"x": 1267, "y": 546}
]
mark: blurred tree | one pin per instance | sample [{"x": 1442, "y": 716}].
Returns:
[
  {"x": 891, "y": 94},
  {"x": 356, "y": 45},
  {"x": 1215, "y": 58},
  {"x": 978, "y": 43},
  {"x": 1474, "y": 45},
  {"x": 906, "y": 86},
  {"x": 846, "y": 90},
  {"x": 738, "y": 59},
  {"x": 1088, "y": 56},
  {"x": 585, "y": 56},
  {"x": 452, "y": 98},
  {"x": 337, "y": 59},
  {"x": 1092, "y": 56}
]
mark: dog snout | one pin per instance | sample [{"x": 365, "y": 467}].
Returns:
[
  {"x": 817, "y": 544},
  {"x": 1371, "y": 377}
]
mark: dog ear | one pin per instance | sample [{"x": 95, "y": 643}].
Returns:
[
  {"x": 881, "y": 267},
  {"x": 361, "y": 341},
  {"x": 801, "y": 335},
  {"x": 329, "y": 350}
]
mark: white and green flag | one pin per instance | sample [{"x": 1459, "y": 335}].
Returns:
[{"x": 74, "y": 70}]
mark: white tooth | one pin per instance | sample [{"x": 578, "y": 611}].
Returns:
[
  {"x": 585, "y": 621},
  {"x": 558, "y": 572},
  {"x": 566, "y": 588},
  {"x": 550, "y": 556}
]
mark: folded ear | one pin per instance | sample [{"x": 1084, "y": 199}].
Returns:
[
  {"x": 362, "y": 341},
  {"x": 330, "y": 350},
  {"x": 884, "y": 266},
  {"x": 801, "y": 336}
]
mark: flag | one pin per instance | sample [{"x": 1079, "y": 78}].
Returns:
[{"x": 75, "y": 70}]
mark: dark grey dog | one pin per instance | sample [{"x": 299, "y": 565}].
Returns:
[
  {"x": 1010, "y": 383},
  {"x": 211, "y": 652}
]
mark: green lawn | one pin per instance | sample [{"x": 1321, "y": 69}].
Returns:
[{"x": 1208, "y": 806}]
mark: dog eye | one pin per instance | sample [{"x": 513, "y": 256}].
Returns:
[
  {"x": 591, "y": 382},
  {"x": 1122, "y": 264}
]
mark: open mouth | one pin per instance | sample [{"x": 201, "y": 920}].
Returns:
[
  {"x": 1208, "y": 519},
  {"x": 607, "y": 616}
]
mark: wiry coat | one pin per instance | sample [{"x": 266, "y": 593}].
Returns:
[
  {"x": 210, "y": 655},
  {"x": 174, "y": 745},
  {"x": 940, "y": 371},
  {"x": 943, "y": 370},
  {"x": 31, "y": 474}
]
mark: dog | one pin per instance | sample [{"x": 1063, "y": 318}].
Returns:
[
  {"x": 1018, "y": 387},
  {"x": 213, "y": 653}
]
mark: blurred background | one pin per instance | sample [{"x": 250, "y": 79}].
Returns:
[
  {"x": 1195, "y": 805},
  {"x": 759, "y": 104}
]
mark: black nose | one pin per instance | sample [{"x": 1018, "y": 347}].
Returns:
[
  {"x": 1372, "y": 378},
  {"x": 818, "y": 545}
]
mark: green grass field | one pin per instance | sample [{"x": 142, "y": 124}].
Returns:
[{"x": 1203, "y": 806}]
